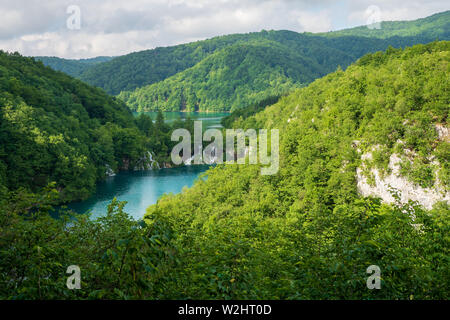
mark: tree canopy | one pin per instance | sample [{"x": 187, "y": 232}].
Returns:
[{"x": 56, "y": 128}]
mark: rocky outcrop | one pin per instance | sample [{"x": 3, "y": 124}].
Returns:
[
  {"x": 381, "y": 184},
  {"x": 373, "y": 183},
  {"x": 443, "y": 133}
]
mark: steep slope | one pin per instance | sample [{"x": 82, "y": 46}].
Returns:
[
  {"x": 308, "y": 220},
  {"x": 433, "y": 27},
  {"x": 72, "y": 67},
  {"x": 138, "y": 69},
  {"x": 56, "y": 128}
]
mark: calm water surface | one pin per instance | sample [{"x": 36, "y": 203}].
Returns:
[
  {"x": 210, "y": 120},
  {"x": 139, "y": 188},
  {"x": 143, "y": 188}
]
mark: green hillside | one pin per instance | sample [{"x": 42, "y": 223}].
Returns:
[
  {"x": 56, "y": 128},
  {"x": 166, "y": 78},
  {"x": 258, "y": 65},
  {"x": 135, "y": 70},
  {"x": 72, "y": 67},
  {"x": 303, "y": 233},
  {"x": 232, "y": 77},
  {"x": 308, "y": 219},
  {"x": 433, "y": 27},
  {"x": 138, "y": 69}
]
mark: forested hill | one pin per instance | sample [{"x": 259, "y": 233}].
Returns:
[
  {"x": 303, "y": 233},
  {"x": 436, "y": 27},
  {"x": 56, "y": 128},
  {"x": 139, "y": 69},
  {"x": 184, "y": 78},
  {"x": 226, "y": 78},
  {"x": 72, "y": 67},
  {"x": 308, "y": 220},
  {"x": 270, "y": 63}
]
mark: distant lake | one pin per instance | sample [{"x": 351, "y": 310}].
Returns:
[
  {"x": 210, "y": 119},
  {"x": 143, "y": 188},
  {"x": 139, "y": 188}
]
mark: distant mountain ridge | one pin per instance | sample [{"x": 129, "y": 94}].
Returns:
[
  {"x": 227, "y": 78},
  {"x": 72, "y": 67},
  {"x": 182, "y": 77},
  {"x": 436, "y": 26},
  {"x": 203, "y": 87}
]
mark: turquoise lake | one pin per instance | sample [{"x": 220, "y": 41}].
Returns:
[
  {"x": 210, "y": 120},
  {"x": 143, "y": 188},
  {"x": 139, "y": 188}
]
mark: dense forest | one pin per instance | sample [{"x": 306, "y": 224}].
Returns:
[
  {"x": 269, "y": 63},
  {"x": 308, "y": 220},
  {"x": 238, "y": 75},
  {"x": 303, "y": 233},
  {"x": 73, "y": 68},
  {"x": 54, "y": 128}
]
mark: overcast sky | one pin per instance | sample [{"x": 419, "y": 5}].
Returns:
[{"x": 116, "y": 27}]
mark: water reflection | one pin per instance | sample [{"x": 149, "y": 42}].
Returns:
[
  {"x": 140, "y": 189},
  {"x": 211, "y": 120}
]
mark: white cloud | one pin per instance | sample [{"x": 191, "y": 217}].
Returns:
[
  {"x": 315, "y": 22},
  {"x": 115, "y": 27}
]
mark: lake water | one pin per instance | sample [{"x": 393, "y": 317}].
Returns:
[
  {"x": 210, "y": 120},
  {"x": 143, "y": 188},
  {"x": 139, "y": 188}
]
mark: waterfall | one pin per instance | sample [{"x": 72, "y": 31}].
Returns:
[
  {"x": 109, "y": 171},
  {"x": 146, "y": 162}
]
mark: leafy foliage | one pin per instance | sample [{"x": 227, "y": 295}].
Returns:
[
  {"x": 305, "y": 233},
  {"x": 257, "y": 66},
  {"x": 118, "y": 257},
  {"x": 56, "y": 128}
]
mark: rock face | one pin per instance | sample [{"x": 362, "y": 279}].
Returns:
[
  {"x": 426, "y": 197},
  {"x": 443, "y": 133}
]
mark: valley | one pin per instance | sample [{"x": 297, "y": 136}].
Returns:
[{"x": 358, "y": 121}]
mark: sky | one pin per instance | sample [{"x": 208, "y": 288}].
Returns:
[{"x": 87, "y": 28}]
